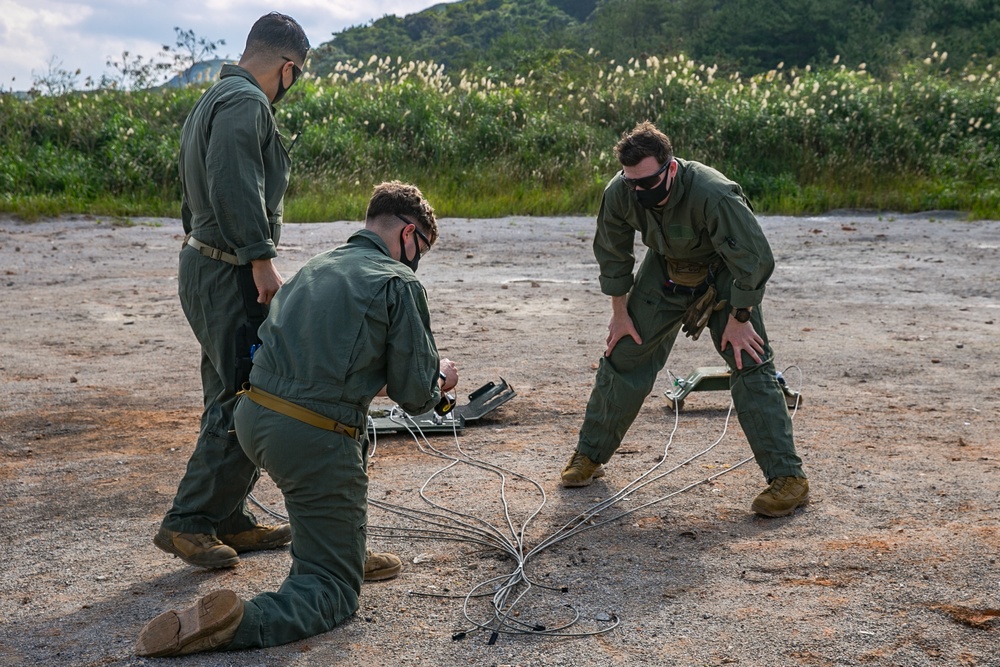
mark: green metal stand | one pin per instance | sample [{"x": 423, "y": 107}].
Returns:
[{"x": 716, "y": 378}]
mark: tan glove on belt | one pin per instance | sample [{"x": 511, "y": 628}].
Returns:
[{"x": 698, "y": 313}]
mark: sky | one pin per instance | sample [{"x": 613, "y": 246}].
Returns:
[{"x": 37, "y": 36}]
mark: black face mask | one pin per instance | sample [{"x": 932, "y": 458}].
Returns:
[
  {"x": 281, "y": 91},
  {"x": 296, "y": 73},
  {"x": 651, "y": 198},
  {"x": 408, "y": 261}
]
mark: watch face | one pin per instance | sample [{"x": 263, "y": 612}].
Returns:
[{"x": 742, "y": 315}]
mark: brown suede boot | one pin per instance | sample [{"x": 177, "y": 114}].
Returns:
[
  {"x": 259, "y": 538},
  {"x": 782, "y": 496},
  {"x": 196, "y": 549},
  {"x": 208, "y": 625},
  {"x": 581, "y": 471},
  {"x": 381, "y": 566}
]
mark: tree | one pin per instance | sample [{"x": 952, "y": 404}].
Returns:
[
  {"x": 621, "y": 29},
  {"x": 56, "y": 81},
  {"x": 745, "y": 35},
  {"x": 191, "y": 49},
  {"x": 134, "y": 72},
  {"x": 578, "y": 9}
]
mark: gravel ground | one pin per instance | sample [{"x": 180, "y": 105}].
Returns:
[{"x": 886, "y": 324}]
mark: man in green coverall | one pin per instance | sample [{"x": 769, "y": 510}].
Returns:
[
  {"x": 351, "y": 324},
  {"x": 234, "y": 171},
  {"x": 707, "y": 265}
]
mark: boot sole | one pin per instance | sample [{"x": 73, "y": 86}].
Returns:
[
  {"x": 174, "y": 551},
  {"x": 260, "y": 546},
  {"x": 192, "y": 630}
]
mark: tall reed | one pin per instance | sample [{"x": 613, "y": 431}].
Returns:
[{"x": 484, "y": 144}]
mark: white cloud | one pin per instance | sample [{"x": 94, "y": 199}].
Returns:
[
  {"x": 71, "y": 35},
  {"x": 26, "y": 33}
]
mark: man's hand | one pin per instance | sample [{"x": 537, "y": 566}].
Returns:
[
  {"x": 450, "y": 371},
  {"x": 266, "y": 278},
  {"x": 743, "y": 338},
  {"x": 621, "y": 324}
]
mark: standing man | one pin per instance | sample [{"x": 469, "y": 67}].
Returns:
[
  {"x": 707, "y": 265},
  {"x": 351, "y": 323},
  {"x": 234, "y": 172}
]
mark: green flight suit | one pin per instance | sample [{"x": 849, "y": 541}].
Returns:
[
  {"x": 708, "y": 221},
  {"x": 234, "y": 172},
  {"x": 351, "y": 321}
]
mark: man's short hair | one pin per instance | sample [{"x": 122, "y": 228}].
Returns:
[
  {"x": 643, "y": 141},
  {"x": 394, "y": 198},
  {"x": 278, "y": 35}
]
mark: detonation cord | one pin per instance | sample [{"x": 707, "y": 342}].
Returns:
[{"x": 508, "y": 590}]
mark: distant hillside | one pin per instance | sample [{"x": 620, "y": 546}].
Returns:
[
  {"x": 744, "y": 35},
  {"x": 203, "y": 72},
  {"x": 461, "y": 34}
]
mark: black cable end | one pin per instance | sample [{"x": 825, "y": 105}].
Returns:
[
  {"x": 565, "y": 589},
  {"x": 493, "y": 638},
  {"x": 539, "y": 627},
  {"x": 458, "y": 636}
]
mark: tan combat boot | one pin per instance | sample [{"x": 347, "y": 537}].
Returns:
[
  {"x": 782, "y": 496},
  {"x": 381, "y": 566},
  {"x": 581, "y": 471},
  {"x": 259, "y": 538},
  {"x": 208, "y": 625},
  {"x": 196, "y": 549}
]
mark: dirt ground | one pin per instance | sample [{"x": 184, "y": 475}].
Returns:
[{"x": 886, "y": 324}]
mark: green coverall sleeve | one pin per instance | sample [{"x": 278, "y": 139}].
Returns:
[
  {"x": 412, "y": 362},
  {"x": 739, "y": 240},
  {"x": 614, "y": 244},
  {"x": 234, "y": 168}
]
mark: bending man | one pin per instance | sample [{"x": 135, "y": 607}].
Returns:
[{"x": 707, "y": 265}]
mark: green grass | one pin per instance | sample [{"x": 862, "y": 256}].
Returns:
[{"x": 481, "y": 145}]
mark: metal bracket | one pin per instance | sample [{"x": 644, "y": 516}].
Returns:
[
  {"x": 716, "y": 378},
  {"x": 482, "y": 401}
]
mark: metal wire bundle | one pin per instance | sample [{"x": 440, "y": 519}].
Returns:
[{"x": 508, "y": 590}]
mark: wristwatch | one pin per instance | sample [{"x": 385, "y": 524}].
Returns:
[{"x": 741, "y": 314}]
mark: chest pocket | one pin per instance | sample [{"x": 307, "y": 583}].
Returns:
[
  {"x": 676, "y": 241},
  {"x": 683, "y": 242}
]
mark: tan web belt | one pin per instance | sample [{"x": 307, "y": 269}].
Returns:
[
  {"x": 289, "y": 409},
  {"x": 209, "y": 251}
]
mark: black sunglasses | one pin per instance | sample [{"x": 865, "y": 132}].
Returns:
[
  {"x": 420, "y": 235},
  {"x": 644, "y": 182},
  {"x": 296, "y": 70}
]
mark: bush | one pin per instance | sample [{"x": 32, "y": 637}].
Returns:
[{"x": 487, "y": 143}]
